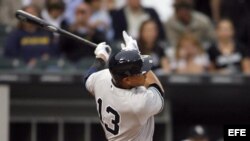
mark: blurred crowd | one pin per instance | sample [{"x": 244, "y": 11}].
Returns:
[{"x": 201, "y": 36}]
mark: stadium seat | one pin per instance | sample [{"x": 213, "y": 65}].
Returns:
[
  {"x": 85, "y": 63},
  {"x": 6, "y": 63},
  {"x": 3, "y": 34},
  {"x": 10, "y": 64},
  {"x": 54, "y": 65}
]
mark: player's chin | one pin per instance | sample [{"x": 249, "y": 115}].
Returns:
[{"x": 141, "y": 83}]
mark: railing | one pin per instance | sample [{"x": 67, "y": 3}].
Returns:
[{"x": 55, "y": 107}]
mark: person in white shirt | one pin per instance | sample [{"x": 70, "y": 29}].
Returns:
[
  {"x": 53, "y": 13},
  {"x": 100, "y": 18},
  {"x": 190, "y": 57}
]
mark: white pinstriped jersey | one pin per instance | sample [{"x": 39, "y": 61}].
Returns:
[{"x": 126, "y": 115}]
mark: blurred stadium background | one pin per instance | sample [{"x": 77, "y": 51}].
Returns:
[{"x": 200, "y": 47}]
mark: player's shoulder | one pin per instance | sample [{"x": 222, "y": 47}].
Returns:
[
  {"x": 139, "y": 96},
  {"x": 142, "y": 91},
  {"x": 105, "y": 71},
  {"x": 98, "y": 76},
  {"x": 102, "y": 73}
]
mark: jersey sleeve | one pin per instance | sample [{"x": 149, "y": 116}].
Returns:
[
  {"x": 148, "y": 104},
  {"x": 91, "y": 75},
  {"x": 90, "y": 83}
]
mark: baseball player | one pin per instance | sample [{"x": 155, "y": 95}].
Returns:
[{"x": 127, "y": 94}]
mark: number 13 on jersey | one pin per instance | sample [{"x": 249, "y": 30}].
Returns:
[{"x": 114, "y": 121}]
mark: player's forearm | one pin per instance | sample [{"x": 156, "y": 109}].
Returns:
[
  {"x": 153, "y": 80},
  {"x": 98, "y": 65},
  {"x": 102, "y": 53}
]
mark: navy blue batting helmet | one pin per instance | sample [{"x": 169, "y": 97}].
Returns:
[{"x": 129, "y": 62}]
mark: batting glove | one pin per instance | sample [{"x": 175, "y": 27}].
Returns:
[
  {"x": 130, "y": 43},
  {"x": 103, "y": 51}
]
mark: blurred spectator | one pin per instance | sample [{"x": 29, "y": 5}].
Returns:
[
  {"x": 186, "y": 19},
  {"x": 7, "y": 12},
  {"x": 9, "y": 7},
  {"x": 75, "y": 50},
  {"x": 100, "y": 18},
  {"x": 163, "y": 7},
  {"x": 110, "y": 4},
  {"x": 131, "y": 17},
  {"x": 54, "y": 13},
  {"x": 240, "y": 16},
  {"x": 149, "y": 45},
  {"x": 240, "y": 7},
  {"x": 197, "y": 133},
  {"x": 190, "y": 58},
  {"x": 29, "y": 42},
  {"x": 38, "y": 3},
  {"x": 221, "y": 9},
  {"x": 70, "y": 10},
  {"x": 208, "y": 7},
  {"x": 228, "y": 55}
]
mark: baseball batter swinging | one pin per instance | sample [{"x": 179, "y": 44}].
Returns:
[{"x": 127, "y": 94}]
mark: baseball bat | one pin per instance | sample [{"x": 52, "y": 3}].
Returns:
[{"x": 26, "y": 17}]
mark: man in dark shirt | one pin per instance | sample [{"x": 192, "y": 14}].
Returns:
[
  {"x": 28, "y": 42},
  {"x": 130, "y": 17}
]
